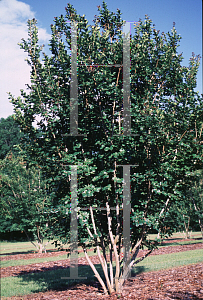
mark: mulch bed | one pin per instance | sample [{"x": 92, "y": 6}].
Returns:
[
  {"x": 65, "y": 263},
  {"x": 185, "y": 282}
]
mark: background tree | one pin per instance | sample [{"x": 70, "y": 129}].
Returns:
[
  {"x": 25, "y": 204},
  {"x": 166, "y": 127},
  {"x": 186, "y": 212},
  {"x": 10, "y": 135},
  {"x": 195, "y": 194}
]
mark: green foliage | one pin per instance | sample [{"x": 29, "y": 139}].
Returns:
[
  {"x": 10, "y": 136},
  {"x": 195, "y": 194},
  {"x": 166, "y": 121},
  {"x": 187, "y": 212},
  {"x": 25, "y": 204}
]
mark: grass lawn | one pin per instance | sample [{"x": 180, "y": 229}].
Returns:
[
  {"x": 26, "y": 247},
  {"x": 167, "y": 261},
  {"x": 10, "y": 263},
  {"x": 36, "y": 282},
  {"x": 20, "y": 247},
  {"x": 43, "y": 281}
]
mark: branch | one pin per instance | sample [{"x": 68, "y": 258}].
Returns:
[
  {"x": 111, "y": 263},
  {"x": 114, "y": 104},
  {"x": 196, "y": 129},
  {"x": 113, "y": 242},
  {"x": 128, "y": 265},
  {"x": 200, "y": 131},
  {"x": 30, "y": 239},
  {"x": 57, "y": 146},
  {"x": 162, "y": 213},
  {"x": 164, "y": 207},
  {"x": 182, "y": 135},
  {"x": 11, "y": 189},
  {"x": 95, "y": 272},
  {"x": 140, "y": 259},
  {"x": 91, "y": 264},
  {"x": 103, "y": 264},
  {"x": 105, "y": 131}
]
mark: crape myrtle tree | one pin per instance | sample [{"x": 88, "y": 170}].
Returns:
[
  {"x": 25, "y": 204},
  {"x": 166, "y": 126}
]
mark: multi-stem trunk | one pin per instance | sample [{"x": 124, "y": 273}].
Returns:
[
  {"x": 114, "y": 280},
  {"x": 38, "y": 245}
]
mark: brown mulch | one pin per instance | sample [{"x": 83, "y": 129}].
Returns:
[
  {"x": 185, "y": 282},
  {"x": 34, "y": 254},
  {"x": 65, "y": 263},
  {"x": 54, "y": 252}
]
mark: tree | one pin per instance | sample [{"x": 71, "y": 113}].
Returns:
[
  {"x": 25, "y": 204},
  {"x": 195, "y": 194},
  {"x": 10, "y": 136},
  {"x": 186, "y": 212},
  {"x": 165, "y": 123}
]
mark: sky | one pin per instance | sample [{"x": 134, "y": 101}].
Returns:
[{"x": 15, "y": 73}]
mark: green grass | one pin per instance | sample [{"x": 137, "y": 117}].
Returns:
[
  {"x": 182, "y": 243},
  {"x": 12, "y": 263},
  {"x": 20, "y": 247},
  {"x": 27, "y": 247},
  {"x": 167, "y": 261},
  {"x": 35, "y": 282},
  {"x": 179, "y": 235}
]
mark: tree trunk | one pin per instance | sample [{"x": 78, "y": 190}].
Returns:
[
  {"x": 39, "y": 246},
  {"x": 186, "y": 227},
  {"x": 162, "y": 211},
  {"x": 199, "y": 220}
]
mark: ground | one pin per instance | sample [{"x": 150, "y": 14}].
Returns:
[{"x": 185, "y": 282}]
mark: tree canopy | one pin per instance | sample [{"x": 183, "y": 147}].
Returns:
[{"x": 164, "y": 118}]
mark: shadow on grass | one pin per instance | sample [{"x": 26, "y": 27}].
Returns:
[
  {"x": 52, "y": 279},
  {"x": 182, "y": 238},
  {"x": 179, "y": 243},
  {"x": 19, "y": 252},
  {"x": 29, "y": 252},
  {"x": 138, "y": 270}
]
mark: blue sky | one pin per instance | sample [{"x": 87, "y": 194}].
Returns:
[{"x": 187, "y": 14}]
